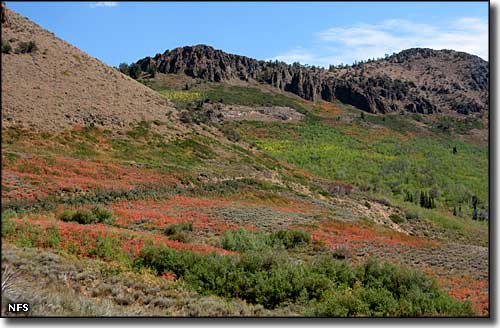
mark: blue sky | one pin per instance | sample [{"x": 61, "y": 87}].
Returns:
[{"x": 317, "y": 33}]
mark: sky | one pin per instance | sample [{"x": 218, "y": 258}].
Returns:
[{"x": 314, "y": 33}]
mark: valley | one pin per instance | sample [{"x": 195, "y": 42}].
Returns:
[{"x": 187, "y": 194}]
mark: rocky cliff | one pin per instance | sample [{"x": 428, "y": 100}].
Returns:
[{"x": 415, "y": 80}]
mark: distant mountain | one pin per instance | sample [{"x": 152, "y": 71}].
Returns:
[{"x": 414, "y": 80}]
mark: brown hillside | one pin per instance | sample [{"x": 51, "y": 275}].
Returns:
[{"x": 58, "y": 86}]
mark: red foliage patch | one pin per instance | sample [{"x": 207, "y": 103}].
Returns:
[
  {"x": 82, "y": 238},
  {"x": 467, "y": 288},
  {"x": 170, "y": 276},
  {"x": 35, "y": 178},
  {"x": 354, "y": 234},
  {"x": 161, "y": 213}
]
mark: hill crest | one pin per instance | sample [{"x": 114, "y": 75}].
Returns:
[
  {"x": 58, "y": 86},
  {"x": 417, "y": 80}
]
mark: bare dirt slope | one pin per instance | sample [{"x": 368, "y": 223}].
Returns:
[{"x": 59, "y": 86}]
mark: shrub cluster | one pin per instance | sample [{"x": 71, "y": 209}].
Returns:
[
  {"x": 82, "y": 216},
  {"x": 179, "y": 231},
  {"x": 6, "y": 47},
  {"x": 230, "y": 134},
  {"x": 243, "y": 240},
  {"x": 397, "y": 218},
  {"x": 133, "y": 70},
  {"x": 329, "y": 287},
  {"x": 26, "y": 47}
]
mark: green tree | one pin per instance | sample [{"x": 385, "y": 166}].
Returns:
[
  {"x": 134, "y": 71},
  {"x": 152, "y": 71},
  {"x": 123, "y": 67}
]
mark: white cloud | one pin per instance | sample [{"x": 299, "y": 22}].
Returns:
[
  {"x": 104, "y": 4},
  {"x": 344, "y": 44},
  {"x": 298, "y": 54}
]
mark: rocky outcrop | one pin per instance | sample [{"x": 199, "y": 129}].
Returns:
[
  {"x": 203, "y": 62},
  {"x": 415, "y": 80}
]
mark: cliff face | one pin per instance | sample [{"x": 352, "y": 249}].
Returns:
[{"x": 415, "y": 80}]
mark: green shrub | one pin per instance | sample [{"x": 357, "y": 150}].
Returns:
[
  {"x": 26, "y": 47},
  {"x": 412, "y": 215},
  {"x": 27, "y": 235},
  {"x": 6, "y": 47},
  {"x": 182, "y": 237},
  {"x": 185, "y": 117},
  {"x": 230, "y": 134},
  {"x": 102, "y": 215},
  {"x": 340, "y": 252},
  {"x": 82, "y": 216},
  {"x": 176, "y": 228},
  {"x": 179, "y": 231},
  {"x": 52, "y": 237},
  {"x": 291, "y": 238},
  {"x": 152, "y": 71},
  {"x": 8, "y": 227},
  {"x": 123, "y": 67},
  {"x": 106, "y": 248},
  {"x": 134, "y": 71},
  {"x": 328, "y": 286},
  {"x": 396, "y": 218},
  {"x": 243, "y": 240}
]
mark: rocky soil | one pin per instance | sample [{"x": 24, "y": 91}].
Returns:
[{"x": 220, "y": 113}]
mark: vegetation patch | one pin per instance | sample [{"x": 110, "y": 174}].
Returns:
[
  {"x": 387, "y": 166},
  {"x": 83, "y": 216},
  {"x": 335, "y": 289},
  {"x": 26, "y": 47}
]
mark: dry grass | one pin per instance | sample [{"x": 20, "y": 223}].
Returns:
[{"x": 59, "y": 86}]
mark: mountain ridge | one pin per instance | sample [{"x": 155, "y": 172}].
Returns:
[{"x": 380, "y": 86}]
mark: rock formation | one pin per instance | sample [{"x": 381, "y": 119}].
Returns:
[{"x": 415, "y": 80}]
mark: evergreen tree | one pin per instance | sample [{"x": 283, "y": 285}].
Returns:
[
  {"x": 152, "y": 71},
  {"x": 123, "y": 67},
  {"x": 432, "y": 203},
  {"x": 134, "y": 71},
  {"x": 422, "y": 198}
]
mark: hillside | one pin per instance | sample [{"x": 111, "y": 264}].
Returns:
[
  {"x": 415, "y": 80},
  {"x": 57, "y": 86},
  {"x": 248, "y": 199}
]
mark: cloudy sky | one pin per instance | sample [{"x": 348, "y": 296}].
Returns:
[{"x": 310, "y": 33}]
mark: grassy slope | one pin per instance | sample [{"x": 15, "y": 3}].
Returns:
[{"x": 387, "y": 158}]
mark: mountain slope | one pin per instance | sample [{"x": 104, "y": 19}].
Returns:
[
  {"x": 58, "y": 86},
  {"x": 445, "y": 81},
  {"x": 320, "y": 213},
  {"x": 415, "y": 80}
]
